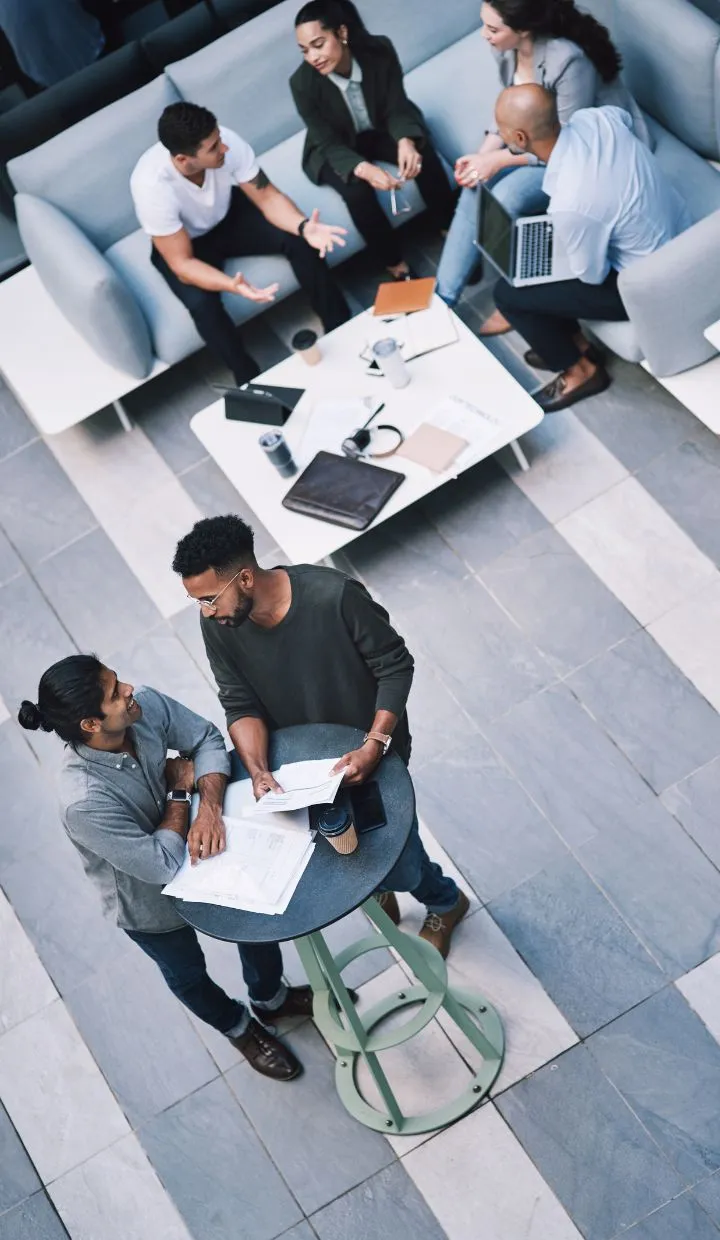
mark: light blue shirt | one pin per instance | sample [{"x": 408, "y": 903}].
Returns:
[
  {"x": 610, "y": 201},
  {"x": 351, "y": 89}
]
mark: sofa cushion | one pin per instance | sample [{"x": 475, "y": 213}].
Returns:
[
  {"x": 672, "y": 67},
  {"x": 86, "y": 170},
  {"x": 91, "y": 295},
  {"x": 693, "y": 177},
  {"x": 180, "y": 37},
  {"x": 457, "y": 90},
  {"x": 421, "y": 34},
  {"x": 234, "y": 13},
  {"x": 619, "y": 338}
]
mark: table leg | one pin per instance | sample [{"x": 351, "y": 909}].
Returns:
[
  {"x": 121, "y": 411},
  {"x": 519, "y": 455}
]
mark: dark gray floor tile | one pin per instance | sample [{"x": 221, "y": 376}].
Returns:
[
  {"x": 338, "y": 936},
  {"x": 658, "y": 719},
  {"x": 97, "y": 614},
  {"x": 482, "y": 817},
  {"x": 389, "y": 1204},
  {"x": 31, "y": 638},
  {"x": 186, "y": 624},
  {"x": 215, "y": 1169},
  {"x": 557, "y": 600},
  {"x": 163, "y": 408},
  {"x": 60, "y": 912},
  {"x": 666, "y": 1064},
  {"x": 34, "y": 1219},
  {"x": 30, "y": 815},
  {"x": 139, "y": 1036},
  {"x": 694, "y": 803},
  {"x": 663, "y": 886},
  {"x": 303, "y": 1231},
  {"x": 437, "y": 720},
  {"x": 681, "y": 1219},
  {"x": 482, "y": 514},
  {"x": 407, "y": 563},
  {"x": 707, "y": 1193},
  {"x": 10, "y": 563},
  {"x": 40, "y": 510},
  {"x": 18, "y": 1177},
  {"x": 568, "y": 765},
  {"x": 686, "y": 482},
  {"x": 592, "y": 966},
  {"x": 215, "y": 496},
  {"x": 593, "y": 1152},
  {"x": 16, "y": 429},
  {"x": 160, "y": 659},
  {"x": 636, "y": 419},
  {"x": 340, "y": 1154}
]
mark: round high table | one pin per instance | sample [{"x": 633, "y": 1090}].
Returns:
[{"x": 333, "y": 886}]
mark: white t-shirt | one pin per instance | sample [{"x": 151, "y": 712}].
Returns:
[{"x": 166, "y": 201}]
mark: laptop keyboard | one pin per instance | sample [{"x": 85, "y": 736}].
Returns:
[{"x": 535, "y": 250}]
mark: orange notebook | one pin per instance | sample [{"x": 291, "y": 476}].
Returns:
[{"x": 404, "y": 296}]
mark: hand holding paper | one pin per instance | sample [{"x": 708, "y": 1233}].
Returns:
[{"x": 300, "y": 784}]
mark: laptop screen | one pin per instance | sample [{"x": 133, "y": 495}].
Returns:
[{"x": 495, "y": 235}]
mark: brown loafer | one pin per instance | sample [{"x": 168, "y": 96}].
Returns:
[
  {"x": 438, "y": 927},
  {"x": 538, "y": 363},
  {"x": 267, "y": 1054},
  {"x": 554, "y": 397},
  {"x": 298, "y": 1002},
  {"x": 388, "y": 903}
]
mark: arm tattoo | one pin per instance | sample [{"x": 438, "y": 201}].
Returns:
[{"x": 260, "y": 181}]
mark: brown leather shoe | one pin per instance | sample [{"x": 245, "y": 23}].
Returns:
[
  {"x": 438, "y": 928},
  {"x": 555, "y": 396},
  {"x": 298, "y": 1002},
  {"x": 388, "y": 903},
  {"x": 267, "y": 1054}
]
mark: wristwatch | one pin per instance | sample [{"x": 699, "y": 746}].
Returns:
[
  {"x": 381, "y": 737},
  {"x": 179, "y": 795}
]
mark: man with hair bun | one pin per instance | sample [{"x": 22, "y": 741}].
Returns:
[{"x": 126, "y": 807}]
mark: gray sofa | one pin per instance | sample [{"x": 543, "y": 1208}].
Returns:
[{"x": 78, "y": 225}]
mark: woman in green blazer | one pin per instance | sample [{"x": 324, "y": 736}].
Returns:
[{"x": 349, "y": 91}]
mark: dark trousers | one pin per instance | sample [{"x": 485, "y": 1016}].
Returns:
[
  {"x": 245, "y": 232},
  {"x": 181, "y": 961},
  {"x": 546, "y": 315},
  {"x": 365, "y": 210}
]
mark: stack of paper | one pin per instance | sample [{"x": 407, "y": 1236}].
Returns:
[
  {"x": 416, "y": 333},
  {"x": 268, "y": 843}
]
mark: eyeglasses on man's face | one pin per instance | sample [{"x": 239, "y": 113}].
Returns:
[{"x": 210, "y": 604}]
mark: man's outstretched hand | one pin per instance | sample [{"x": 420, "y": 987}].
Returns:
[
  {"x": 243, "y": 289},
  {"x": 323, "y": 237}
]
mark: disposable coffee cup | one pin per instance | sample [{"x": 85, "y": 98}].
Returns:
[
  {"x": 336, "y": 824},
  {"x": 390, "y": 360},
  {"x": 278, "y": 453},
  {"x": 305, "y": 344}
]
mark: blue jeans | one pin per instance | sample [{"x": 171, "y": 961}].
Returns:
[
  {"x": 520, "y": 192},
  {"x": 416, "y": 873},
  {"x": 181, "y": 961}
]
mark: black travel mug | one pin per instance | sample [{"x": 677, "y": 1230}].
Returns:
[{"x": 278, "y": 453}]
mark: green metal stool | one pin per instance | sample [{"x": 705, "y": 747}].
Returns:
[{"x": 354, "y": 1038}]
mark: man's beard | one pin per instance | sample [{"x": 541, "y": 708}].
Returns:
[{"x": 239, "y": 616}]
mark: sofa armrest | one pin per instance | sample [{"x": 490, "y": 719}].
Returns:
[
  {"x": 90, "y": 293},
  {"x": 671, "y": 296}
]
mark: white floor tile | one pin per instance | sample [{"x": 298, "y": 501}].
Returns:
[
  {"x": 701, "y": 988},
  {"x": 55, "y": 1094},
  {"x": 637, "y": 550},
  {"x": 117, "y": 1196},
  {"x": 136, "y": 499},
  {"x": 483, "y": 960},
  {"x": 568, "y": 466},
  {"x": 689, "y": 636},
  {"x": 481, "y": 1185},
  {"x": 25, "y": 987}
]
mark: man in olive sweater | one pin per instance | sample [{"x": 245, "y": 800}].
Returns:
[{"x": 306, "y": 644}]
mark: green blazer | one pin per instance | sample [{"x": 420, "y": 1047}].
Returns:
[{"x": 331, "y": 136}]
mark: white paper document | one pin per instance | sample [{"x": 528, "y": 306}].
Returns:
[
  {"x": 264, "y": 859},
  {"x": 466, "y": 419},
  {"x": 303, "y": 784},
  {"x": 418, "y": 333}
]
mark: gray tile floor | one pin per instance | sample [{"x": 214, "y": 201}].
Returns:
[{"x": 566, "y": 763}]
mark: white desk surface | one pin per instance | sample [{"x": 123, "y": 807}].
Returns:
[
  {"x": 58, "y": 379},
  {"x": 712, "y": 333},
  {"x": 465, "y": 369}
]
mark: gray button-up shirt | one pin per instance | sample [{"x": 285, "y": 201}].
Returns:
[
  {"x": 351, "y": 89},
  {"x": 112, "y": 805}
]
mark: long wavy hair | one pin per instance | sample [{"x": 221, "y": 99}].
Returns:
[
  {"x": 332, "y": 14},
  {"x": 560, "y": 19}
]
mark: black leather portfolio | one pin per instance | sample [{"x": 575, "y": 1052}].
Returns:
[
  {"x": 253, "y": 402},
  {"x": 342, "y": 491}
]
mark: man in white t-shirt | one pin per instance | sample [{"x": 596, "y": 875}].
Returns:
[{"x": 202, "y": 197}]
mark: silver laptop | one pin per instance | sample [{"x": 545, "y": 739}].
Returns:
[{"x": 523, "y": 250}]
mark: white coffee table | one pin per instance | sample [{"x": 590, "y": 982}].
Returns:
[{"x": 465, "y": 369}]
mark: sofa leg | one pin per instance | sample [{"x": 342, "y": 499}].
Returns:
[
  {"x": 520, "y": 456},
  {"x": 122, "y": 415}
]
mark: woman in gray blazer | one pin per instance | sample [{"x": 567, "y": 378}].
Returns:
[{"x": 552, "y": 43}]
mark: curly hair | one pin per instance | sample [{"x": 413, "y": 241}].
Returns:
[
  {"x": 560, "y": 19},
  {"x": 183, "y": 126},
  {"x": 69, "y": 692},
  {"x": 224, "y": 544}
]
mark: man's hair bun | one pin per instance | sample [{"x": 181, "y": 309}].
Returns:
[{"x": 30, "y": 717}]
